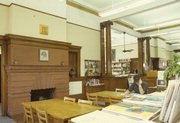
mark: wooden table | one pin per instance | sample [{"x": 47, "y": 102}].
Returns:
[
  {"x": 61, "y": 110},
  {"x": 107, "y": 94}
]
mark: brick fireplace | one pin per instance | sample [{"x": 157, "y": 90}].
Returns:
[{"x": 23, "y": 79}]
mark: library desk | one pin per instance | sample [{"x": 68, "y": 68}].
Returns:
[
  {"x": 105, "y": 95},
  {"x": 60, "y": 111}
]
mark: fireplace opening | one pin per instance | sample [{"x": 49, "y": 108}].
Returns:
[{"x": 42, "y": 94}]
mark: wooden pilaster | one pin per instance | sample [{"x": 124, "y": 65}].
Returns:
[
  {"x": 140, "y": 55},
  {"x": 102, "y": 46},
  {"x": 108, "y": 48},
  {"x": 148, "y": 52}
]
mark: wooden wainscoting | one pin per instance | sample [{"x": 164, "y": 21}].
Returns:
[{"x": 111, "y": 83}]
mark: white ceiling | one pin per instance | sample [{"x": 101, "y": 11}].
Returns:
[{"x": 156, "y": 12}]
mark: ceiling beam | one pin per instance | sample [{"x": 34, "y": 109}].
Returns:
[
  {"x": 122, "y": 28},
  {"x": 162, "y": 31},
  {"x": 153, "y": 5}
]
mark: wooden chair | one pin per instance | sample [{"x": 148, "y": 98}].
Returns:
[
  {"x": 85, "y": 102},
  {"x": 114, "y": 100},
  {"x": 42, "y": 116},
  {"x": 28, "y": 114},
  {"x": 103, "y": 101},
  {"x": 120, "y": 90},
  {"x": 92, "y": 98},
  {"x": 69, "y": 99}
]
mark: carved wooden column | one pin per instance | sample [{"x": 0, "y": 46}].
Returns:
[
  {"x": 102, "y": 46},
  {"x": 108, "y": 48},
  {"x": 140, "y": 55},
  {"x": 148, "y": 52}
]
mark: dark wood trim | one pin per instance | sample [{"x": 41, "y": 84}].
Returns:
[
  {"x": 148, "y": 52},
  {"x": 3, "y": 76},
  {"x": 108, "y": 48},
  {"x": 176, "y": 51},
  {"x": 102, "y": 48},
  {"x": 83, "y": 26},
  {"x": 77, "y": 50},
  {"x": 31, "y": 41},
  {"x": 37, "y": 10}
]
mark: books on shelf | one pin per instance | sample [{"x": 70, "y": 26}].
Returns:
[
  {"x": 171, "y": 106},
  {"x": 133, "y": 111}
]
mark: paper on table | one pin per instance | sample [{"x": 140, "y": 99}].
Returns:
[{"x": 105, "y": 117}]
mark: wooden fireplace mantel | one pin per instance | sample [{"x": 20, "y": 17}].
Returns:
[{"x": 22, "y": 79}]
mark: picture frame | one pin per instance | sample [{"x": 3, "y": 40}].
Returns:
[{"x": 43, "y": 55}]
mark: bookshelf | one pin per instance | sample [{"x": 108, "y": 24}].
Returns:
[
  {"x": 92, "y": 68},
  {"x": 121, "y": 67}
]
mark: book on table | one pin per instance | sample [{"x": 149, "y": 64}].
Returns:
[{"x": 133, "y": 110}]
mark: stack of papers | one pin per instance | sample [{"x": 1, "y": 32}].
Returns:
[
  {"x": 171, "y": 106},
  {"x": 134, "y": 111}
]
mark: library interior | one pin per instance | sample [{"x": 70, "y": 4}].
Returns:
[{"x": 90, "y": 61}]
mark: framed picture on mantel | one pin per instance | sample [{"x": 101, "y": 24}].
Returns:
[{"x": 44, "y": 56}]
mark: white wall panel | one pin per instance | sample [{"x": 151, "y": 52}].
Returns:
[{"x": 83, "y": 18}]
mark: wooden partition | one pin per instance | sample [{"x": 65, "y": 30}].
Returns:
[{"x": 111, "y": 83}]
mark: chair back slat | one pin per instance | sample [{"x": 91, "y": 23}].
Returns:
[
  {"x": 69, "y": 99},
  {"x": 42, "y": 116},
  {"x": 80, "y": 101},
  {"x": 28, "y": 114},
  {"x": 92, "y": 98}
]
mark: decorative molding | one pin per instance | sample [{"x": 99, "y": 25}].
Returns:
[
  {"x": 31, "y": 41},
  {"x": 75, "y": 5},
  {"x": 83, "y": 26},
  {"x": 36, "y": 10},
  {"x": 75, "y": 47},
  {"x": 35, "y": 68},
  {"x": 4, "y": 5}
]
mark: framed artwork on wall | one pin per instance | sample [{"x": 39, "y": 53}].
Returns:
[{"x": 43, "y": 56}]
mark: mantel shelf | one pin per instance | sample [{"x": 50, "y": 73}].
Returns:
[{"x": 36, "y": 68}]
